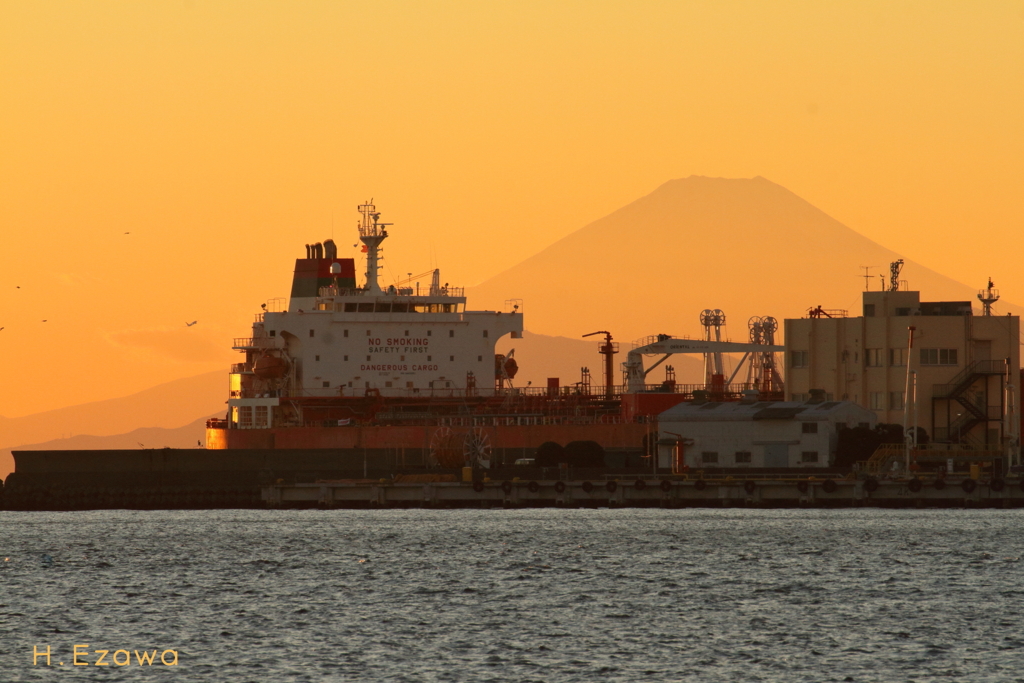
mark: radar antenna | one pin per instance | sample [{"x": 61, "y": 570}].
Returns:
[{"x": 989, "y": 296}]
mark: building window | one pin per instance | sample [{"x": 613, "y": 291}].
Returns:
[
  {"x": 742, "y": 457},
  {"x": 311, "y": 333},
  {"x": 896, "y": 400},
  {"x": 245, "y": 417},
  {"x": 809, "y": 456},
  {"x": 262, "y": 416},
  {"x": 326, "y": 384},
  {"x": 938, "y": 356},
  {"x": 897, "y": 357},
  {"x": 810, "y": 428},
  {"x": 873, "y": 358},
  {"x": 799, "y": 359},
  {"x": 869, "y": 310},
  {"x": 709, "y": 457},
  {"x": 876, "y": 400},
  {"x": 902, "y": 311}
]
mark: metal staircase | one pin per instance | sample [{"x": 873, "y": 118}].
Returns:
[{"x": 957, "y": 390}]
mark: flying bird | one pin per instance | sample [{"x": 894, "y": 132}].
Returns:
[
  {"x": 127, "y": 233},
  {"x": 191, "y": 323},
  {"x": 44, "y": 321}
]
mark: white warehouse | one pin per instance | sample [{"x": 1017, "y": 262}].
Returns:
[{"x": 763, "y": 434}]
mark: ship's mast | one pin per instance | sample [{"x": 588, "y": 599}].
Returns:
[{"x": 372, "y": 233}]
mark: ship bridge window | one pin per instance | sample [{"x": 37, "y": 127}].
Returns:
[
  {"x": 350, "y": 308},
  {"x": 399, "y": 308},
  {"x": 383, "y": 308},
  {"x": 365, "y": 308}
]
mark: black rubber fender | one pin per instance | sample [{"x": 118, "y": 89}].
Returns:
[
  {"x": 939, "y": 484},
  {"x": 559, "y": 487},
  {"x": 587, "y": 487},
  {"x": 997, "y": 485},
  {"x": 968, "y": 485},
  {"x": 611, "y": 486},
  {"x": 506, "y": 486},
  {"x": 700, "y": 484},
  {"x": 802, "y": 486},
  {"x": 870, "y": 484},
  {"x": 915, "y": 485},
  {"x": 666, "y": 485},
  {"x": 830, "y": 486},
  {"x": 749, "y": 486},
  {"x": 533, "y": 486},
  {"x": 640, "y": 484},
  {"x": 478, "y": 486}
]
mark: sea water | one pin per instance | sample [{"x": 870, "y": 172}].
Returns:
[{"x": 513, "y": 595}]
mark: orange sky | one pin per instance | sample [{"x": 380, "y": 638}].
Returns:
[{"x": 225, "y": 135}]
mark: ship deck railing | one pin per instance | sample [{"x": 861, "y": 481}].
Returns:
[{"x": 729, "y": 392}]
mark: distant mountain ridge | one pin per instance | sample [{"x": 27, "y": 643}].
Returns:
[{"x": 747, "y": 246}]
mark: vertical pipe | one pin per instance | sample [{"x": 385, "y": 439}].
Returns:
[{"x": 907, "y": 437}]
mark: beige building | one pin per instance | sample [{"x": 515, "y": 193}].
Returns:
[{"x": 962, "y": 363}]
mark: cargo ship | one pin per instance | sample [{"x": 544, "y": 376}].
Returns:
[{"x": 408, "y": 375}]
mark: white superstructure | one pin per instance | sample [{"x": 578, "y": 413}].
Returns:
[{"x": 338, "y": 339}]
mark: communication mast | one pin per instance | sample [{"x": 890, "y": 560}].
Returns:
[
  {"x": 894, "y": 275},
  {"x": 371, "y": 234},
  {"x": 989, "y": 296},
  {"x": 714, "y": 372}
]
